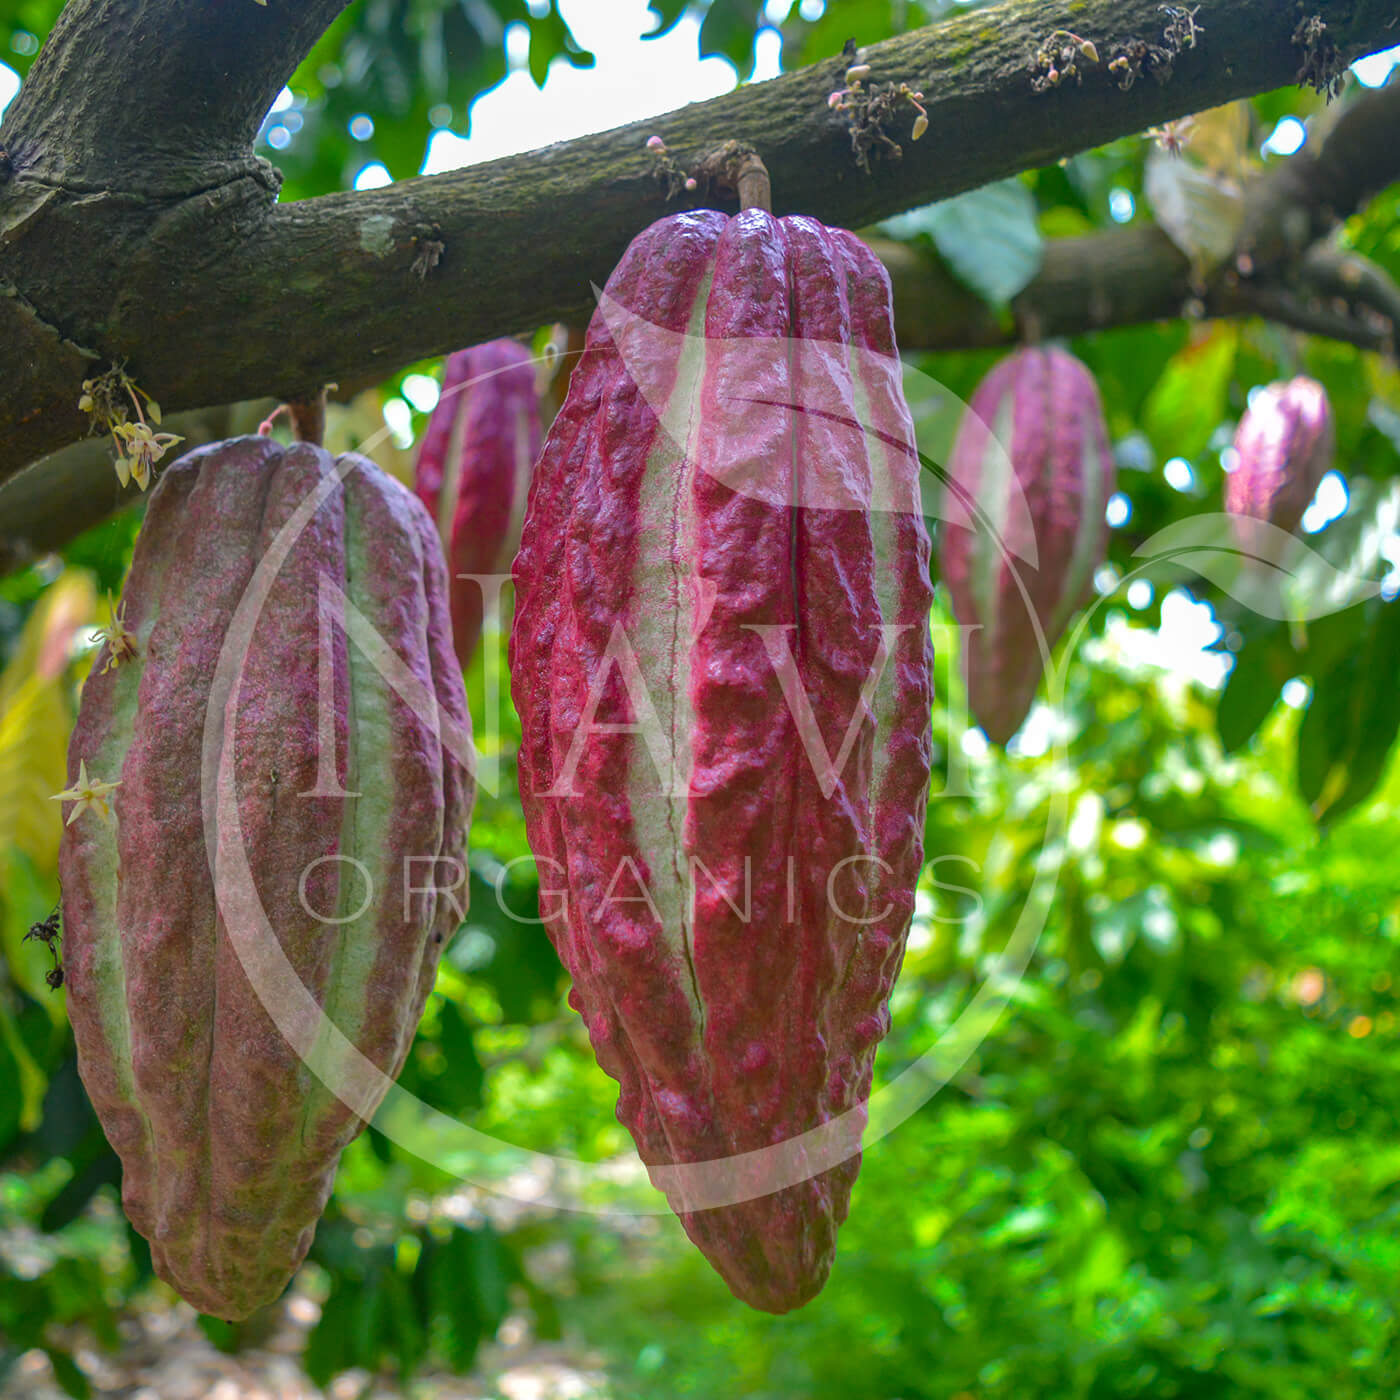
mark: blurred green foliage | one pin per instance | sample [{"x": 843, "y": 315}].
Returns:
[{"x": 1169, "y": 1170}]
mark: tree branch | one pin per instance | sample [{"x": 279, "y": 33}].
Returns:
[
  {"x": 59, "y": 497},
  {"x": 210, "y": 291}
]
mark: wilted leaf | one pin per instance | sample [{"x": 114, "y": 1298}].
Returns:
[
  {"x": 35, "y": 717},
  {"x": 33, "y": 765},
  {"x": 1201, "y": 213},
  {"x": 1220, "y": 139}
]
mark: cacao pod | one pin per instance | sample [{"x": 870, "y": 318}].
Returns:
[
  {"x": 1285, "y": 443},
  {"x": 474, "y": 468},
  {"x": 714, "y": 595},
  {"x": 295, "y": 755},
  {"x": 1029, "y": 480}
]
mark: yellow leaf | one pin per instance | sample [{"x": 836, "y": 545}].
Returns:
[
  {"x": 35, "y": 717},
  {"x": 1221, "y": 140},
  {"x": 33, "y": 766},
  {"x": 68, "y": 604}
]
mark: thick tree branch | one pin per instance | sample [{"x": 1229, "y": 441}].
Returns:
[
  {"x": 1130, "y": 275},
  {"x": 217, "y": 293},
  {"x": 155, "y": 97},
  {"x": 1122, "y": 277}
]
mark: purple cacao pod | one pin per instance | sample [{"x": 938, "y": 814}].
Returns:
[
  {"x": 1285, "y": 444},
  {"x": 715, "y": 594},
  {"x": 474, "y": 470},
  {"x": 272, "y": 785},
  {"x": 1028, "y": 484}
]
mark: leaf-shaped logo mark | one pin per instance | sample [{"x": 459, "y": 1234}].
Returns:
[{"x": 1265, "y": 569}]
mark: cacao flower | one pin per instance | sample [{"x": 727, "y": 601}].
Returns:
[
  {"x": 1285, "y": 443},
  {"x": 721, "y": 663},
  {"x": 1029, "y": 479},
  {"x": 268, "y": 787},
  {"x": 473, "y": 470}
]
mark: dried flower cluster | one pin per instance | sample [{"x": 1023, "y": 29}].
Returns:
[
  {"x": 1059, "y": 58},
  {"x": 1138, "y": 57},
  {"x": 868, "y": 107},
  {"x": 110, "y": 400}
]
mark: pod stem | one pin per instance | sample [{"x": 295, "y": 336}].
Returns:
[
  {"x": 307, "y": 417},
  {"x": 737, "y": 167},
  {"x": 754, "y": 186}
]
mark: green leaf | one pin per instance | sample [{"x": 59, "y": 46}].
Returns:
[
  {"x": 11, "y": 1105},
  {"x": 1190, "y": 399},
  {"x": 329, "y": 1347},
  {"x": 66, "y": 1372},
  {"x": 28, "y": 899},
  {"x": 668, "y": 13},
  {"x": 409, "y": 1339},
  {"x": 550, "y": 39},
  {"x": 463, "y": 1063},
  {"x": 728, "y": 29},
  {"x": 103, "y": 1168},
  {"x": 501, "y": 943},
  {"x": 1350, "y": 549},
  {"x": 1259, "y": 671},
  {"x": 351, "y": 1330},
  {"x": 32, "y": 1082},
  {"x": 222, "y": 1335},
  {"x": 1334, "y": 638},
  {"x": 990, "y": 237},
  {"x": 1351, "y": 723},
  {"x": 462, "y": 1281}
]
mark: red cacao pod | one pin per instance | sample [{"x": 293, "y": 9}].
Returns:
[
  {"x": 295, "y": 755},
  {"x": 706, "y": 585},
  {"x": 474, "y": 469},
  {"x": 1284, "y": 445},
  {"x": 1029, "y": 480}
]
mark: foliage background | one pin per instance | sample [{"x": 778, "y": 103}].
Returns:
[{"x": 1171, "y": 1168}]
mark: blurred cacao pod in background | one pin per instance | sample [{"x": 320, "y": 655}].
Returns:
[
  {"x": 1024, "y": 528},
  {"x": 1284, "y": 446},
  {"x": 474, "y": 470}
]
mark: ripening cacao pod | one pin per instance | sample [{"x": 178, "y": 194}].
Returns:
[
  {"x": 721, "y": 662},
  {"x": 474, "y": 469},
  {"x": 1284, "y": 445},
  {"x": 244, "y": 962},
  {"x": 1029, "y": 480}
]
